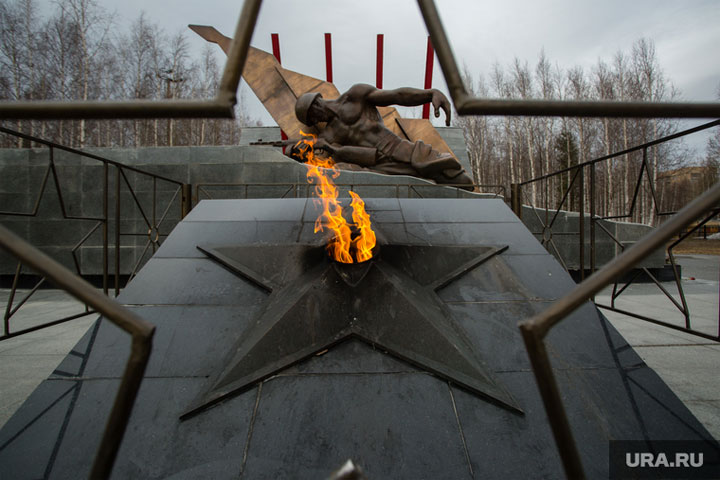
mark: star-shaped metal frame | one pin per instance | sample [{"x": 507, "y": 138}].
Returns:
[{"x": 389, "y": 302}]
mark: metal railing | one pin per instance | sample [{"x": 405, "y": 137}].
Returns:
[
  {"x": 303, "y": 190},
  {"x": 141, "y": 332},
  {"x": 106, "y": 222},
  {"x": 584, "y": 195},
  {"x": 537, "y": 328}
]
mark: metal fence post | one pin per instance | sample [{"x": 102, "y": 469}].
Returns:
[
  {"x": 515, "y": 200},
  {"x": 186, "y": 203}
]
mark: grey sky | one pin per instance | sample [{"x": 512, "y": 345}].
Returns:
[{"x": 482, "y": 32}]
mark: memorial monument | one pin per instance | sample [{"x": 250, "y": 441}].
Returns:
[
  {"x": 273, "y": 359},
  {"x": 358, "y": 128}
]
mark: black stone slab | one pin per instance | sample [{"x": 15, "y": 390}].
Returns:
[
  {"x": 515, "y": 235},
  {"x": 394, "y": 425},
  {"x": 266, "y": 210},
  {"x": 156, "y": 445},
  {"x": 184, "y": 334},
  {"x": 29, "y": 440},
  {"x": 352, "y": 400},
  {"x": 443, "y": 210},
  {"x": 188, "y": 281},
  {"x": 186, "y": 236}
]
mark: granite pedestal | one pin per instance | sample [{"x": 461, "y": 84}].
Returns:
[{"x": 393, "y": 419}]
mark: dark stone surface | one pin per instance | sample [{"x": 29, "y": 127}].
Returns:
[{"x": 353, "y": 400}]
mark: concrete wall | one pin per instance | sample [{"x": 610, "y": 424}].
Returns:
[{"x": 565, "y": 243}]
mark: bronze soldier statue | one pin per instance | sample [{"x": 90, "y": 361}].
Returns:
[{"x": 351, "y": 130}]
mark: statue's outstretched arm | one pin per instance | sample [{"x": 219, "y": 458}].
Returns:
[
  {"x": 411, "y": 97},
  {"x": 212, "y": 35}
]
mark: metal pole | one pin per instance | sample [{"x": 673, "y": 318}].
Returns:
[
  {"x": 515, "y": 200},
  {"x": 581, "y": 221},
  {"x": 430, "y": 55},
  {"x": 186, "y": 201},
  {"x": 117, "y": 231},
  {"x": 328, "y": 58},
  {"x": 592, "y": 219},
  {"x": 379, "y": 63},
  {"x": 106, "y": 194}
]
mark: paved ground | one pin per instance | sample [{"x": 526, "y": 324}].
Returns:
[{"x": 687, "y": 363}]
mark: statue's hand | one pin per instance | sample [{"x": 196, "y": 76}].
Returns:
[
  {"x": 439, "y": 100},
  {"x": 321, "y": 144}
]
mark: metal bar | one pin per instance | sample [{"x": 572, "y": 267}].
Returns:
[
  {"x": 515, "y": 200},
  {"x": 545, "y": 379},
  {"x": 592, "y": 219},
  {"x": 166, "y": 211},
  {"x": 379, "y": 61},
  {"x": 117, "y": 230},
  {"x": 637, "y": 186},
  {"x": 186, "y": 202},
  {"x": 535, "y": 329},
  {"x": 616, "y": 293},
  {"x": 53, "y": 145},
  {"x": 429, "y": 57},
  {"x": 154, "y": 215},
  {"x": 57, "y": 183},
  {"x": 581, "y": 221},
  {"x": 274, "y": 38},
  {"x": 440, "y": 42},
  {"x": 137, "y": 201},
  {"x": 41, "y": 192},
  {"x": 227, "y": 95},
  {"x": 106, "y": 260},
  {"x": 46, "y": 325},
  {"x": 11, "y": 298},
  {"x": 564, "y": 198},
  {"x": 141, "y": 331},
  {"x": 660, "y": 322},
  {"x": 113, "y": 110},
  {"x": 588, "y": 109},
  {"x": 27, "y": 297},
  {"x": 658, "y": 141},
  {"x": 328, "y": 58}
]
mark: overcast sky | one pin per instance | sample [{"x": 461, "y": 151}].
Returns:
[{"x": 482, "y": 32}]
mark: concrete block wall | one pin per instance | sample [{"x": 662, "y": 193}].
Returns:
[{"x": 566, "y": 239}]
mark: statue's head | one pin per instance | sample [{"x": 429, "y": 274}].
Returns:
[{"x": 303, "y": 107}]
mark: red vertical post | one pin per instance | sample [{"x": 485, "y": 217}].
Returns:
[
  {"x": 276, "y": 54},
  {"x": 328, "y": 58},
  {"x": 379, "y": 67},
  {"x": 428, "y": 75},
  {"x": 276, "y": 47}
]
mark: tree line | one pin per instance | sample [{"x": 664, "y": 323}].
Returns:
[
  {"x": 77, "y": 52},
  {"x": 509, "y": 150}
]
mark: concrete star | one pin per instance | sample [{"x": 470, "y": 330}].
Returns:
[{"x": 390, "y": 302}]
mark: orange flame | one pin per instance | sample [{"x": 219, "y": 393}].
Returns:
[
  {"x": 332, "y": 213},
  {"x": 364, "y": 242}
]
